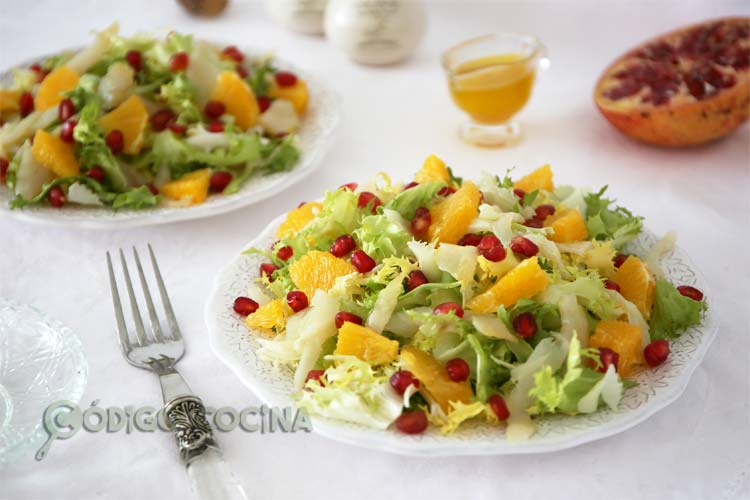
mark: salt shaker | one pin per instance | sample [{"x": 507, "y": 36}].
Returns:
[{"x": 302, "y": 16}]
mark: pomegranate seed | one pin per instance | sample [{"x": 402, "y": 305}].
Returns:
[
  {"x": 415, "y": 279},
  {"x": 115, "y": 141},
  {"x": 363, "y": 262},
  {"x": 470, "y": 240},
  {"x": 317, "y": 375},
  {"x": 447, "y": 308},
  {"x": 534, "y": 222},
  {"x": 349, "y": 186},
  {"x": 525, "y": 325},
  {"x": 134, "y": 58},
  {"x": 401, "y": 380},
  {"x": 285, "y": 78},
  {"x": 411, "y": 185},
  {"x": 4, "y": 163},
  {"x": 41, "y": 73},
  {"x": 446, "y": 191},
  {"x": 214, "y": 109},
  {"x": 240, "y": 69},
  {"x": 97, "y": 173},
  {"x": 365, "y": 198},
  {"x": 267, "y": 269},
  {"x": 343, "y": 316},
  {"x": 26, "y": 103},
  {"x": 412, "y": 422},
  {"x": 220, "y": 180},
  {"x": 420, "y": 223},
  {"x": 544, "y": 211},
  {"x": 656, "y": 352},
  {"x": 66, "y": 109},
  {"x": 215, "y": 127},
  {"x": 608, "y": 357},
  {"x": 285, "y": 253},
  {"x": 56, "y": 196},
  {"x": 620, "y": 259},
  {"x": 342, "y": 245},
  {"x": 264, "y": 102},
  {"x": 177, "y": 128},
  {"x": 161, "y": 119},
  {"x": 499, "y": 408},
  {"x": 233, "y": 53},
  {"x": 458, "y": 369},
  {"x": 152, "y": 189},
  {"x": 297, "y": 300},
  {"x": 244, "y": 306},
  {"x": 66, "y": 132},
  {"x": 179, "y": 62},
  {"x": 491, "y": 249},
  {"x": 611, "y": 285},
  {"x": 520, "y": 194},
  {"x": 524, "y": 246},
  {"x": 690, "y": 292}
]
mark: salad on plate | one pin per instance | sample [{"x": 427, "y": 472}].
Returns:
[
  {"x": 140, "y": 122},
  {"x": 444, "y": 301}
]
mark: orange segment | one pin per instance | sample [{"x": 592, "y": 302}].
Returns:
[
  {"x": 238, "y": 97},
  {"x": 55, "y": 154},
  {"x": 297, "y": 219},
  {"x": 636, "y": 284},
  {"x": 541, "y": 178},
  {"x": 434, "y": 379},
  {"x": 130, "y": 118},
  {"x": 569, "y": 226},
  {"x": 192, "y": 186},
  {"x": 452, "y": 216},
  {"x": 61, "y": 80},
  {"x": 270, "y": 318},
  {"x": 433, "y": 169},
  {"x": 623, "y": 338},
  {"x": 9, "y": 101},
  {"x": 297, "y": 94},
  {"x": 318, "y": 270},
  {"x": 522, "y": 282},
  {"x": 366, "y": 344}
]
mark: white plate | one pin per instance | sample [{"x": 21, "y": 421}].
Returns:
[
  {"x": 314, "y": 138},
  {"x": 657, "y": 388}
]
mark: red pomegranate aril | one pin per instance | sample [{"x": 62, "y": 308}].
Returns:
[
  {"x": 66, "y": 109},
  {"x": 214, "y": 109},
  {"x": 134, "y": 58},
  {"x": 342, "y": 245},
  {"x": 179, "y": 62},
  {"x": 233, "y": 53},
  {"x": 412, "y": 422},
  {"x": 491, "y": 248},
  {"x": 656, "y": 352},
  {"x": 56, "y": 196},
  {"x": 267, "y": 269},
  {"x": 420, "y": 223},
  {"x": 343, "y": 317},
  {"x": 470, "y": 240},
  {"x": 215, "y": 127},
  {"x": 607, "y": 357},
  {"x": 448, "y": 307},
  {"x": 525, "y": 325},
  {"x": 285, "y": 78},
  {"x": 115, "y": 141},
  {"x": 240, "y": 69},
  {"x": 401, "y": 380},
  {"x": 416, "y": 279},
  {"x": 161, "y": 119},
  {"x": 285, "y": 253},
  {"x": 41, "y": 73},
  {"x": 152, "y": 189},
  {"x": 534, "y": 222},
  {"x": 26, "y": 103},
  {"x": 411, "y": 185},
  {"x": 620, "y": 259},
  {"x": 317, "y": 375},
  {"x": 366, "y": 198},
  {"x": 177, "y": 129},
  {"x": 524, "y": 246},
  {"x": 446, "y": 191},
  {"x": 349, "y": 186},
  {"x": 458, "y": 370},
  {"x": 97, "y": 173},
  {"x": 297, "y": 300},
  {"x": 611, "y": 285},
  {"x": 544, "y": 211},
  {"x": 67, "y": 129},
  {"x": 4, "y": 164},
  {"x": 219, "y": 181},
  {"x": 244, "y": 306},
  {"x": 498, "y": 406},
  {"x": 520, "y": 194},
  {"x": 363, "y": 262},
  {"x": 264, "y": 102},
  {"x": 690, "y": 292}
]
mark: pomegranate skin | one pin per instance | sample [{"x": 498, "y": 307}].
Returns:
[{"x": 683, "y": 121}]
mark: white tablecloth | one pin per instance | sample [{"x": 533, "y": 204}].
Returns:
[{"x": 391, "y": 119}]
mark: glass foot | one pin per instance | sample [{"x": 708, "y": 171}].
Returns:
[{"x": 504, "y": 134}]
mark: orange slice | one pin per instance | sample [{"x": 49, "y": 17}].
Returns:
[
  {"x": 130, "y": 118},
  {"x": 55, "y": 154},
  {"x": 452, "y": 216},
  {"x": 636, "y": 284},
  {"x": 366, "y": 344},
  {"x": 61, "y": 80},
  {"x": 318, "y": 270}
]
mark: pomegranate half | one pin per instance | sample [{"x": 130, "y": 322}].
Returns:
[{"x": 682, "y": 88}]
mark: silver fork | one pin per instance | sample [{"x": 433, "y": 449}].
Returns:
[{"x": 153, "y": 350}]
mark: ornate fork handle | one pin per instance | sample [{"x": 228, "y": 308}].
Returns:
[{"x": 187, "y": 418}]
